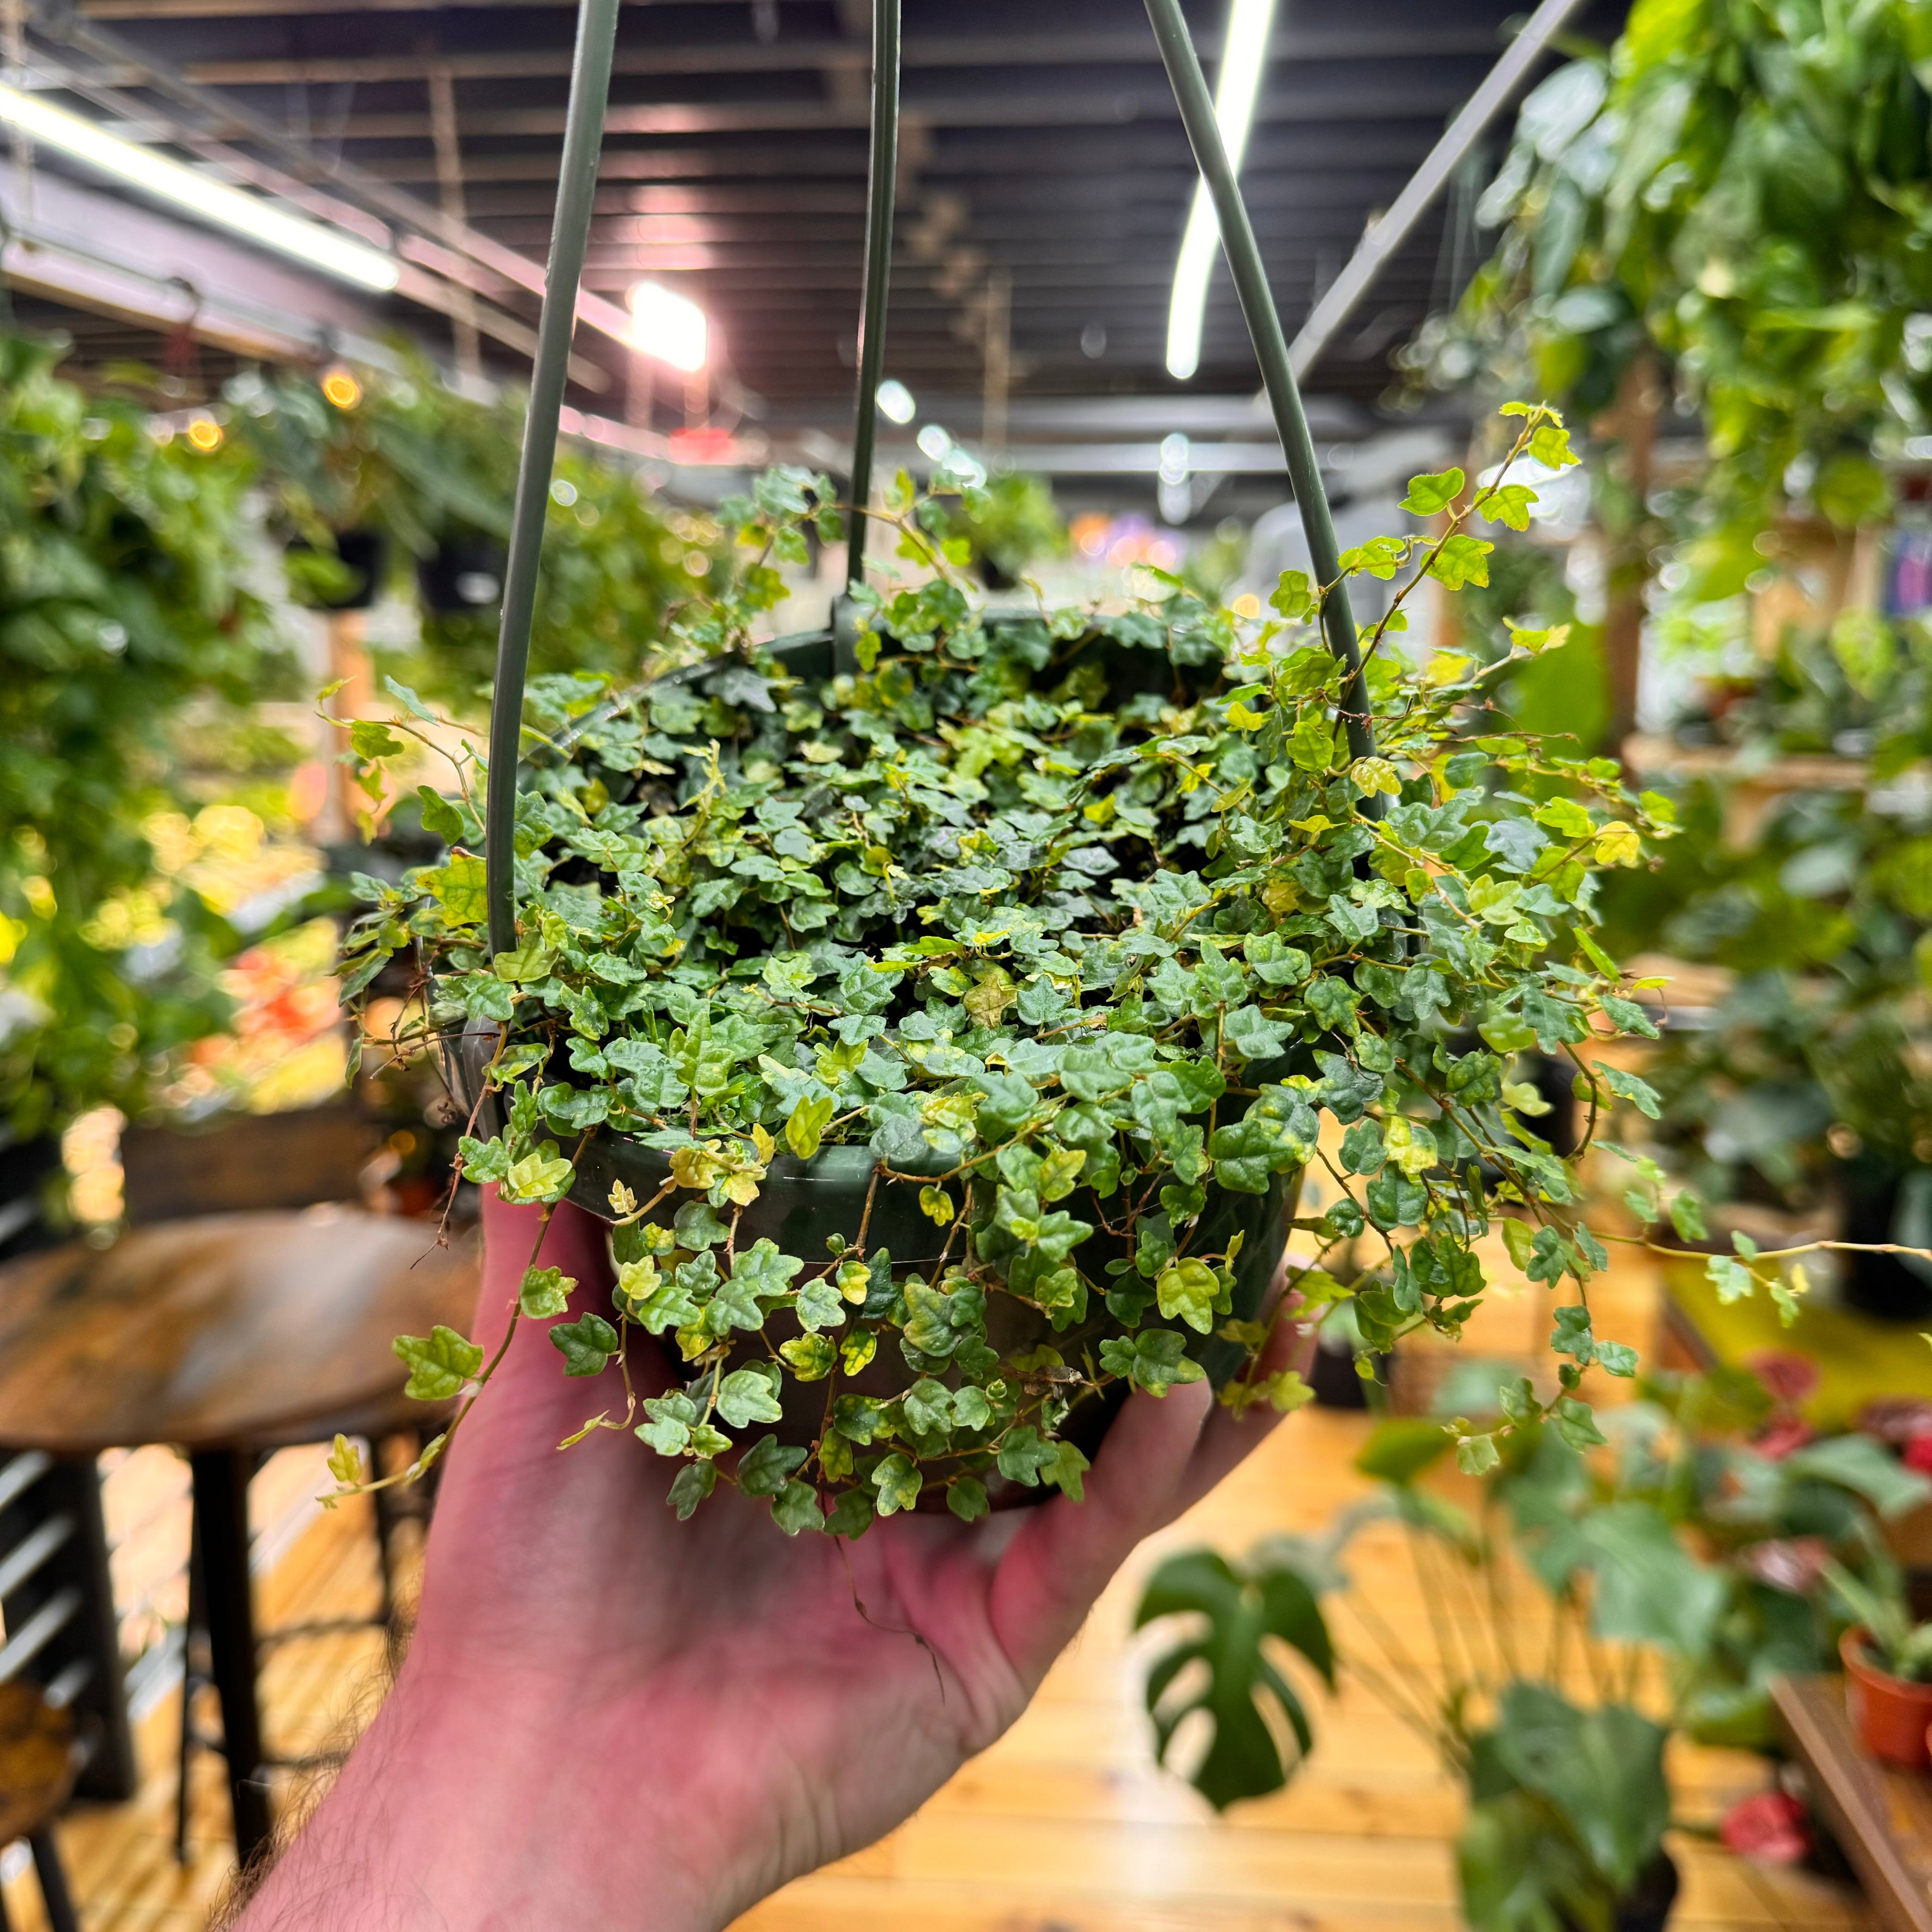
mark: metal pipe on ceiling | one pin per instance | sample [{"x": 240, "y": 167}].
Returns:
[
  {"x": 1389, "y": 232},
  {"x": 101, "y": 45}
]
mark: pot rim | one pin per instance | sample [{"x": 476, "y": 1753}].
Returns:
[{"x": 1852, "y": 1653}]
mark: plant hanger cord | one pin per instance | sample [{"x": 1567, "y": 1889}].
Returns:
[
  {"x": 577, "y": 189},
  {"x": 879, "y": 193},
  {"x": 1284, "y": 394}
]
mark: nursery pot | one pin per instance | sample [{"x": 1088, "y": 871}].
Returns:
[
  {"x": 363, "y": 552},
  {"x": 1646, "y": 1907},
  {"x": 463, "y": 575},
  {"x": 1890, "y": 1715},
  {"x": 801, "y": 1203},
  {"x": 1889, "y": 1287}
]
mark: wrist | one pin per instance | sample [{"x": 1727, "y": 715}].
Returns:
[{"x": 481, "y": 1805}]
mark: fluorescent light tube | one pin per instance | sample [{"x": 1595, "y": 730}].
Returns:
[
  {"x": 1243, "y": 60},
  {"x": 143, "y": 167},
  {"x": 669, "y": 326}
]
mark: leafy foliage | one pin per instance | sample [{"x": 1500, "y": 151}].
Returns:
[
  {"x": 122, "y": 596},
  {"x": 1804, "y": 1083},
  {"x": 1009, "y": 525},
  {"x": 1738, "y": 190},
  {"x": 1241, "y": 1609},
  {"x": 1696, "y": 1540},
  {"x": 1084, "y": 922},
  {"x": 435, "y": 472}
]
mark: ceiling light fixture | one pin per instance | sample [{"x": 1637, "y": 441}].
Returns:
[
  {"x": 1243, "y": 60},
  {"x": 152, "y": 171},
  {"x": 895, "y": 401},
  {"x": 669, "y": 326}
]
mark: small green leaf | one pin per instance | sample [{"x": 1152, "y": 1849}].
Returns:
[
  {"x": 586, "y": 1344},
  {"x": 807, "y": 1125},
  {"x": 691, "y": 1485},
  {"x": 750, "y": 1395},
  {"x": 899, "y": 1482},
  {"x": 544, "y": 1292},
  {"x": 1429, "y": 494},
  {"x": 966, "y": 1498},
  {"x": 1188, "y": 1289},
  {"x": 439, "y": 1364},
  {"x": 1462, "y": 560}
]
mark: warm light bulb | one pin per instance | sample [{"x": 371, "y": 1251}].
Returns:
[
  {"x": 668, "y": 326},
  {"x": 341, "y": 388}
]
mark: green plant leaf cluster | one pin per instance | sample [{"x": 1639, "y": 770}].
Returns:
[
  {"x": 1739, "y": 192},
  {"x": 1700, "y": 1544},
  {"x": 1804, "y": 1082},
  {"x": 434, "y": 471},
  {"x": 1083, "y": 922},
  {"x": 124, "y": 568}
]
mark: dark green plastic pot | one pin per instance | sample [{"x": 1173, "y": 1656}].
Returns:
[{"x": 801, "y": 1204}]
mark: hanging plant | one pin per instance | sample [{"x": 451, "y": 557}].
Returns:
[
  {"x": 1736, "y": 194},
  {"x": 404, "y": 458},
  {"x": 1054, "y": 945},
  {"x": 123, "y": 568}
]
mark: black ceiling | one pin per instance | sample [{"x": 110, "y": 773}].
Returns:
[{"x": 1041, "y": 147}]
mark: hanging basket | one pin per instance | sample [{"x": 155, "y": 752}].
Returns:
[{"x": 843, "y": 1193}]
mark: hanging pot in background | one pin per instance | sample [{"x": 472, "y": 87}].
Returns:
[
  {"x": 1889, "y": 1714},
  {"x": 463, "y": 575},
  {"x": 1882, "y": 1204},
  {"x": 350, "y": 580}
]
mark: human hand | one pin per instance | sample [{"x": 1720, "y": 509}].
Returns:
[{"x": 608, "y": 1718}]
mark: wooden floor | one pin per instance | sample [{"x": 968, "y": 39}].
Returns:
[{"x": 1065, "y": 1826}]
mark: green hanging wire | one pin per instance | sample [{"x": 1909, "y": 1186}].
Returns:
[
  {"x": 577, "y": 189},
  {"x": 879, "y": 193},
  {"x": 1258, "y": 309}
]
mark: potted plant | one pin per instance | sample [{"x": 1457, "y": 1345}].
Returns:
[
  {"x": 1887, "y": 1654},
  {"x": 944, "y": 1037},
  {"x": 1801, "y": 1090},
  {"x": 1688, "y": 1537},
  {"x": 1568, "y": 1802}
]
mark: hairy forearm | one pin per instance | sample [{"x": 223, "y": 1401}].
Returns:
[{"x": 459, "y": 1810}]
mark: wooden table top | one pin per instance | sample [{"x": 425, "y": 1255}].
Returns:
[
  {"x": 1881, "y": 1818},
  {"x": 226, "y": 1330}
]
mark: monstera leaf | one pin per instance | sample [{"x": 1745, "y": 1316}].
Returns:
[{"x": 1241, "y": 1608}]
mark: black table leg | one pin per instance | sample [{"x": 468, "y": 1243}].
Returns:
[
  {"x": 221, "y": 1521},
  {"x": 54, "y": 1894}
]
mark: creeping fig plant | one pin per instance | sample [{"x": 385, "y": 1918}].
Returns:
[{"x": 1068, "y": 941}]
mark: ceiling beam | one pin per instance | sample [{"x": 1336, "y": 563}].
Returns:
[
  {"x": 1086, "y": 108},
  {"x": 1298, "y": 47},
  {"x": 1037, "y": 153}
]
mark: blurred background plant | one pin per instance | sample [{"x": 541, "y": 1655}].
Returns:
[
  {"x": 1794, "y": 1073},
  {"x": 378, "y": 477},
  {"x": 126, "y": 615},
  {"x": 1011, "y": 523},
  {"x": 1587, "y": 1602}
]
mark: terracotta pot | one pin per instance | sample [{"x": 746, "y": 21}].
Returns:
[{"x": 1891, "y": 1716}]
